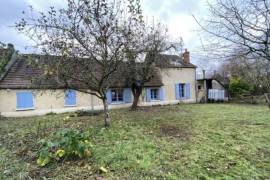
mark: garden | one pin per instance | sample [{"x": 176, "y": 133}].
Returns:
[{"x": 186, "y": 141}]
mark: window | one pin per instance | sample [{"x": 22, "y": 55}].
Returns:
[
  {"x": 154, "y": 94},
  {"x": 182, "y": 90},
  {"x": 70, "y": 98},
  {"x": 24, "y": 101},
  {"x": 199, "y": 87},
  {"x": 117, "y": 95}
]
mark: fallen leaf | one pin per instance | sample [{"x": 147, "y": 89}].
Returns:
[{"x": 102, "y": 169}]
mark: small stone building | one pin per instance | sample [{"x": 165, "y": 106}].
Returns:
[{"x": 206, "y": 83}]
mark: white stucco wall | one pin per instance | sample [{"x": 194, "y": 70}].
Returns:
[
  {"x": 173, "y": 76},
  {"x": 45, "y": 101}
]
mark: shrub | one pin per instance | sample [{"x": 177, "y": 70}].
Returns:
[
  {"x": 66, "y": 143},
  {"x": 50, "y": 114},
  {"x": 239, "y": 87}
]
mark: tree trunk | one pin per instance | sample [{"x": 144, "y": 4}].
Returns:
[
  {"x": 267, "y": 97},
  {"x": 136, "y": 94},
  {"x": 106, "y": 113},
  {"x": 252, "y": 99},
  {"x": 135, "y": 101}
]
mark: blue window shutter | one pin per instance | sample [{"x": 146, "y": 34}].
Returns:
[
  {"x": 70, "y": 97},
  {"x": 177, "y": 91},
  {"x": 144, "y": 94},
  {"x": 109, "y": 96},
  {"x": 20, "y": 100},
  {"x": 161, "y": 94},
  {"x": 148, "y": 94},
  {"x": 24, "y": 100},
  {"x": 127, "y": 95},
  {"x": 187, "y": 91}
]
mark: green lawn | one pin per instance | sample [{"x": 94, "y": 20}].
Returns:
[{"x": 215, "y": 141}]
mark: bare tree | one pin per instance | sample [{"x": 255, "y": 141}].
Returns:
[
  {"x": 239, "y": 25},
  {"x": 255, "y": 72},
  {"x": 6, "y": 51},
  {"x": 85, "y": 42},
  {"x": 146, "y": 43}
]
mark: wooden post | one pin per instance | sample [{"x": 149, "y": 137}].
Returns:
[
  {"x": 205, "y": 91},
  {"x": 205, "y": 87}
]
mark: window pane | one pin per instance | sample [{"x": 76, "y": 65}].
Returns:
[
  {"x": 154, "y": 94},
  {"x": 120, "y": 98},
  {"x": 182, "y": 90},
  {"x": 114, "y": 95},
  {"x": 117, "y": 95},
  {"x": 120, "y": 95}
]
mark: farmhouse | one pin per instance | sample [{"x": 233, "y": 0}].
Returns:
[{"x": 174, "y": 82}]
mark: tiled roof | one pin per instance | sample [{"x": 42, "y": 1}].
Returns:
[
  {"x": 172, "y": 61},
  {"x": 21, "y": 75}
]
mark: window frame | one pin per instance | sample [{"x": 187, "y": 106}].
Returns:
[
  {"x": 182, "y": 91},
  {"x": 117, "y": 99},
  {"x": 156, "y": 90},
  {"x": 27, "y": 108}
]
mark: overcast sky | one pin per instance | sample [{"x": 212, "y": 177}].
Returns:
[{"x": 176, "y": 14}]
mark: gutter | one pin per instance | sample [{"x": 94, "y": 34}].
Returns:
[{"x": 9, "y": 65}]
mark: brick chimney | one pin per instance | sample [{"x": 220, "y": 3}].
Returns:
[{"x": 186, "y": 58}]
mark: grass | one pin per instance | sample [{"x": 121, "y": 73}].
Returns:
[{"x": 213, "y": 141}]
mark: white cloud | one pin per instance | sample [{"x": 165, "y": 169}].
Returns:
[
  {"x": 41, "y": 5},
  {"x": 176, "y": 14}
]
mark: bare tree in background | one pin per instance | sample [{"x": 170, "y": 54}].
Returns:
[
  {"x": 239, "y": 25},
  {"x": 146, "y": 43},
  {"x": 87, "y": 40},
  {"x": 6, "y": 51},
  {"x": 256, "y": 72}
]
